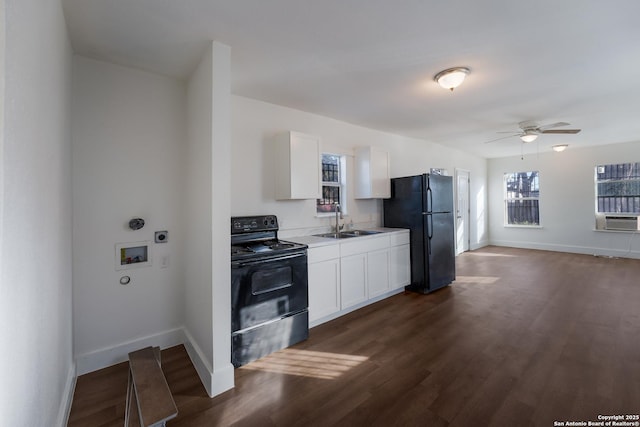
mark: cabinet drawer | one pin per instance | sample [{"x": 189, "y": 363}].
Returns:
[
  {"x": 364, "y": 244},
  {"x": 398, "y": 239},
  {"x": 323, "y": 253}
]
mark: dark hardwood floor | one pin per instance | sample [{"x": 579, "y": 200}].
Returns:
[{"x": 522, "y": 338}]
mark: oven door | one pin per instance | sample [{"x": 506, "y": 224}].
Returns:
[{"x": 267, "y": 289}]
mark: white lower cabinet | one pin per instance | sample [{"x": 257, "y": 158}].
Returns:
[
  {"x": 399, "y": 267},
  {"x": 324, "y": 281},
  {"x": 378, "y": 272},
  {"x": 399, "y": 261},
  {"x": 351, "y": 272},
  {"x": 364, "y": 268},
  {"x": 353, "y": 277}
]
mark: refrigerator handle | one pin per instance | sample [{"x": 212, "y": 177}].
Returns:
[
  {"x": 429, "y": 200},
  {"x": 429, "y": 231}
]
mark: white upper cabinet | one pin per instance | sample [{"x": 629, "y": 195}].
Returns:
[
  {"x": 372, "y": 174},
  {"x": 297, "y": 166}
]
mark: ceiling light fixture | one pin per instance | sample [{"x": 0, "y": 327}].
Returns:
[
  {"x": 529, "y": 137},
  {"x": 560, "y": 147},
  {"x": 451, "y": 78}
]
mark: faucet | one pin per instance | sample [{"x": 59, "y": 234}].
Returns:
[{"x": 339, "y": 216}]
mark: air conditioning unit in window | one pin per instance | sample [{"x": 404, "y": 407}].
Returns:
[{"x": 622, "y": 223}]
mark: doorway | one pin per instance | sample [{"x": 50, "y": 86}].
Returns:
[{"x": 462, "y": 210}]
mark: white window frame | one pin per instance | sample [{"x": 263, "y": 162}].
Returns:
[
  {"x": 342, "y": 184},
  {"x": 507, "y": 199}
]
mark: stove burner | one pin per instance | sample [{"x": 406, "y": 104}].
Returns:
[
  {"x": 269, "y": 245},
  {"x": 237, "y": 250},
  {"x": 258, "y": 247},
  {"x": 279, "y": 245}
]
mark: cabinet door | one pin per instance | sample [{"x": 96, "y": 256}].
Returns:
[
  {"x": 297, "y": 166},
  {"x": 399, "y": 266},
  {"x": 353, "y": 280},
  {"x": 380, "y": 179},
  {"x": 324, "y": 288},
  {"x": 378, "y": 272},
  {"x": 305, "y": 166},
  {"x": 372, "y": 175}
]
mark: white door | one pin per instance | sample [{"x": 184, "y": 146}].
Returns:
[{"x": 462, "y": 211}]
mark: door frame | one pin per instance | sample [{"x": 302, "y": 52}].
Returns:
[{"x": 464, "y": 216}]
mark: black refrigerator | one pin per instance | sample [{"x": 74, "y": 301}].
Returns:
[{"x": 424, "y": 205}]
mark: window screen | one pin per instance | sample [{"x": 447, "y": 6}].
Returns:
[
  {"x": 522, "y": 198},
  {"x": 618, "y": 188}
]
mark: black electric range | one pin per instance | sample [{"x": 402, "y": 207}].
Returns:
[{"x": 269, "y": 289}]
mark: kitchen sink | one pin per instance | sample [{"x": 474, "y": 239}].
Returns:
[
  {"x": 348, "y": 234},
  {"x": 361, "y": 232},
  {"x": 334, "y": 235}
]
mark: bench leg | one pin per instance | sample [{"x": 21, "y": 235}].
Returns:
[{"x": 127, "y": 409}]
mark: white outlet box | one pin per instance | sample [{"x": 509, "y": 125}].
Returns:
[{"x": 164, "y": 261}]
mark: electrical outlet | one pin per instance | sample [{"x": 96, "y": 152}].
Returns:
[{"x": 162, "y": 236}]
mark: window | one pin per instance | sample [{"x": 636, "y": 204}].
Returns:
[
  {"x": 333, "y": 184},
  {"x": 618, "y": 188},
  {"x": 522, "y": 198}
]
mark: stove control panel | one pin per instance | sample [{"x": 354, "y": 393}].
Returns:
[{"x": 243, "y": 224}]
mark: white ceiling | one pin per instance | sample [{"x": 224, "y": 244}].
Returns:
[{"x": 372, "y": 62}]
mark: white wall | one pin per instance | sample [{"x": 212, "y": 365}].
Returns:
[
  {"x": 567, "y": 202},
  {"x": 254, "y": 125},
  {"x": 129, "y": 159},
  {"x": 207, "y": 258},
  {"x": 35, "y": 215},
  {"x": 223, "y": 372}
]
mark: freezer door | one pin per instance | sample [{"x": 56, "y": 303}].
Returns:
[
  {"x": 438, "y": 196},
  {"x": 404, "y": 208}
]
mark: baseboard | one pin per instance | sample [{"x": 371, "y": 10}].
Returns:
[
  {"x": 67, "y": 397},
  {"x": 585, "y": 250},
  {"x": 332, "y": 316},
  {"x": 222, "y": 379},
  {"x": 478, "y": 245},
  {"x": 214, "y": 382},
  {"x": 203, "y": 368},
  {"x": 109, "y": 356}
]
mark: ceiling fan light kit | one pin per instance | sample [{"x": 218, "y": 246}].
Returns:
[
  {"x": 530, "y": 130},
  {"x": 451, "y": 78}
]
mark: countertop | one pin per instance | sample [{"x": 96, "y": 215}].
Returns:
[{"x": 315, "y": 241}]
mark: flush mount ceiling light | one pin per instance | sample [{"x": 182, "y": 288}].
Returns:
[
  {"x": 560, "y": 147},
  {"x": 451, "y": 78}
]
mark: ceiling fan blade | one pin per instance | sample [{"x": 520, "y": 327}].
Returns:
[
  {"x": 553, "y": 125},
  {"x": 503, "y": 137},
  {"x": 561, "y": 131}
]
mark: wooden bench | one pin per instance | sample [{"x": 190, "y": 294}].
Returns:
[{"x": 149, "y": 400}]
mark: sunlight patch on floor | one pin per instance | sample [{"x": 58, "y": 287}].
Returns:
[
  {"x": 315, "y": 364},
  {"x": 490, "y": 254},
  {"x": 482, "y": 280}
]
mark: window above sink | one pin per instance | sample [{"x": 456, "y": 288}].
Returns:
[{"x": 334, "y": 180}]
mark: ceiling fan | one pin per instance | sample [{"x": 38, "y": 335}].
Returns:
[{"x": 530, "y": 130}]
